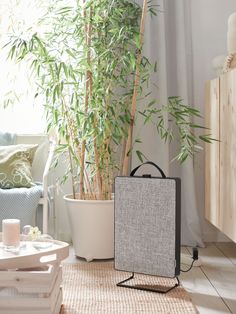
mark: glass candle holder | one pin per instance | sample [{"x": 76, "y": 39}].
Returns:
[{"x": 11, "y": 234}]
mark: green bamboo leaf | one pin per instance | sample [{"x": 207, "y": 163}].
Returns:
[
  {"x": 12, "y": 51},
  {"x": 151, "y": 103},
  {"x": 133, "y": 60},
  {"x": 205, "y": 138},
  {"x": 65, "y": 10},
  {"x": 141, "y": 156},
  {"x": 54, "y": 94},
  {"x": 155, "y": 67},
  {"x": 71, "y": 53},
  {"x": 138, "y": 140},
  {"x": 138, "y": 41},
  {"x": 65, "y": 69}
]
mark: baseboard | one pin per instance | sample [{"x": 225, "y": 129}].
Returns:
[{"x": 215, "y": 237}]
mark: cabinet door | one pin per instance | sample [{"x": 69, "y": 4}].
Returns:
[
  {"x": 228, "y": 154},
  {"x": 212, "y": 200}
]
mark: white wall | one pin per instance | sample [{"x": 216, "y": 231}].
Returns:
[{"x": 209, "y": 29}]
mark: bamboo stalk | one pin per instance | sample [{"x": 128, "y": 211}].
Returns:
[
  {"x": 122, "y": 157},
  {"x": 72, "y": 140},
  {"x": 107, "y": 140},
  {"x": 97, "y": 167},
  {"x": 72, "y": 176},
  {"x": 95, "y": 186},
  {"x": 98, "y": 172},
  {"x": 107, "y": 172},
  {"x": 88, "y": 92},
  {"x": 90, "y": 192},
  {"x": 135, "y": 94}
]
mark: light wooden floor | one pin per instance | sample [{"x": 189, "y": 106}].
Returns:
[{"x": 212, "y": 285}]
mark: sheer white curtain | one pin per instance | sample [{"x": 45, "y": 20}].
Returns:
[
  {"x": 26, "y": 115},
  {"x": 168, "y": 40}
]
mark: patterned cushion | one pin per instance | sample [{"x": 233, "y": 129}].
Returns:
[{"x": 15, "y": 166}]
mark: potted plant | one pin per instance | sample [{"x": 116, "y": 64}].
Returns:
[{"x": 91, "y": 72}]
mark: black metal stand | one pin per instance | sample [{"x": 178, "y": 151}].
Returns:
[{"x": 158, "y": 289}]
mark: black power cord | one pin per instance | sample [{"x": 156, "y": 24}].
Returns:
[{"x": 194, "y": 257}]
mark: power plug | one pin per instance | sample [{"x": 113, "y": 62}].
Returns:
[{"x": 195, "y": 253}]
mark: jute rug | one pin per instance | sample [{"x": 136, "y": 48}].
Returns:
[{"x": 90, "y": 288}]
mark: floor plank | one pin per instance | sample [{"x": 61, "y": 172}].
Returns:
[
  {"x": 228, "y": 249},
  {"x": 221, "y": 273},
  {"x": 203, "y": 294},
  {"x": 212, "y": 255},
  {"x": 186, "y": 258}
]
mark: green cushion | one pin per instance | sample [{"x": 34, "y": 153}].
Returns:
[{"x": 15, "y": 166}]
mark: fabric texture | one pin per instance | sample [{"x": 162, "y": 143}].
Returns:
[
  {"x": 91, "y": 288},
  {"x": 15, "y": 166},
  {"x": 20, "y": 203},
  {"x": 145, "y": 225}
]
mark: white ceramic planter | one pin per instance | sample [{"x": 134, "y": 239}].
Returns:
[{"x": 92, "y": 227}]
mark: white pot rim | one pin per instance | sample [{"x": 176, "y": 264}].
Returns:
[{"x": 69, "y": 197}]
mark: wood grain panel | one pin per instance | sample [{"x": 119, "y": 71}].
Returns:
[
  {"x": 228, "y": 154},
  {"x": 212, "y": 201}
]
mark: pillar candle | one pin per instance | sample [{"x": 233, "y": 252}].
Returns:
[{"x": 11, "y": 232}]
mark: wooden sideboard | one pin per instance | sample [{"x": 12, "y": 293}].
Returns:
[{"x": 220, "y": 161}]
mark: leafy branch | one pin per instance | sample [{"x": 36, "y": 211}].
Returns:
[{"x": 91, "y": 73}]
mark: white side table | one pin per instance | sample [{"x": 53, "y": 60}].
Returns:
[{"x": 30, "y": 280}]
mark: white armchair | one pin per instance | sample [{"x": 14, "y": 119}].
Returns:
[{"x": 40, "y": 168}]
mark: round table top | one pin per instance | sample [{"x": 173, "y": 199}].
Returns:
[{"x": 33, "y": 254}]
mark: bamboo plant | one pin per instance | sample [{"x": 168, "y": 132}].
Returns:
[{"x": 91, "y": 73}]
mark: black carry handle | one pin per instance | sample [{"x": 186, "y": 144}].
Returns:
[{"x": 148, "y": 163}]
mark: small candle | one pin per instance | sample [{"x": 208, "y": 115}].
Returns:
[{"x": 11, "y": 233}]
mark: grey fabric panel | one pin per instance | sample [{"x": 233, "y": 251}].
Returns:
[
  {"x": 20, "y": 203},
  {"x": 145, "y": 210}
]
